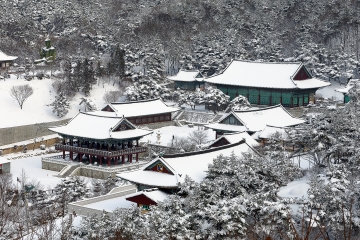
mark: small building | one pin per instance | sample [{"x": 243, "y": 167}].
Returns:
[
  {"x": 346, "y": 89},
  {"x": 231, "y": 138},
  {"x": 4, "y": 165},
  {"x": 139, "y": 112},
  {"x": 168, "y": 171},
  {"x": 102, "y": 139},
  {"x": 6, "y": 60},
  {"x": 188, "y": 80},
  {"x": 268, "y": 83},
  {"x": 253, "y": 121},
  {"x": 270, "y": 131},
  {"x": 147, "y": 197}
]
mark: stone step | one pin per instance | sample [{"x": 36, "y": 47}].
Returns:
[{"x": 66, "y": 171}]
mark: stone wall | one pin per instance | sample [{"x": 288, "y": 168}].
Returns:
[
  {"x": 47, "y": 142},
  {"x": 26, "y": 132},
  {"x": 92, "y": 173},
  {"x": 159, "y": 124},
  {"x": 53, "y": 166}
]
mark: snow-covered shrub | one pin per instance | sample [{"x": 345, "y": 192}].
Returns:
[
  {"x": 112, "y": 96},
  {"x": 60, "y": 105}
]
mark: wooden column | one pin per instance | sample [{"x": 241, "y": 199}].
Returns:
[
  {"x": 64, "y": 154},
  {"x": 109, "y": 161},
  {"x": 137, "y": 157},
  {"x": 101, "y": 161},
  {"x": 80, "y": 157},
  {"x": 130, "y": 158},
  {"x": 90, "y": 159},
  {"x": 71, "y": 155}
]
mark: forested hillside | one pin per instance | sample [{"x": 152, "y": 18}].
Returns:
[{"x": 191, "y": 33}]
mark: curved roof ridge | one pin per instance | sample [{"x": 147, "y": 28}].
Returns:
[
  {"x": 266, "y": 62},
  {"x": 260, "y": 109},
  {"x": 129, "y": 102},
  {"x": 102, "y": 116},
  {"x": 178, "y": 155}
]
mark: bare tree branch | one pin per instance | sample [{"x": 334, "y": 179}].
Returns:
[{"x": 21, "y": 93}]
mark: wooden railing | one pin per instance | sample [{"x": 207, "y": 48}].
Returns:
[{"x": 96, "y": 152}]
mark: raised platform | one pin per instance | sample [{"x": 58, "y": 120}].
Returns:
[
  {"x": 102, "y": 153},
  {"x": 66, "y": 167}
]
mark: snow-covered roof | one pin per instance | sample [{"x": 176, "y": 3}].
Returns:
[
  {"x": 155, "y": 195},
  {"x": 3, "y": 160},
  {"x": 193, "y": 164},
  {"x": 349, "y": 85},
  {"x": 98, "y": 127},
  {"x": 277, "y": 116},
  {"x": 137, "y": 108},
  {"x": 270, "y": 130},
  {"x": 265, "y": 75},
  {"x": 187, "y": 76},
  {"x": 238, "y": 136},
  {"x": 226, "y": 127},
  {"x": 311, "y": 83},
  {"x": 4, "y": 57}
]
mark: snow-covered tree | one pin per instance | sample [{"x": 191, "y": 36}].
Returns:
[
  {"x": 60, "y": 105},
  {"x": 69, "y": 190},
  {"x": 88, "y": 76},
  {"x": 88, "y": 104},
  {"x": 112, "y": 96},
  {"x": 215, "y": 98},
  {"x": 239, "y": 103},
  {"x": 144, "y": 88}
]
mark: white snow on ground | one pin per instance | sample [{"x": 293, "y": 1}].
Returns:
[
  {"x": 36, "y": 109},
  {"x": 168, "y": 132},
  {"x": 111, "y": 204},
  {"x": 329, "y": 91},
  {"x": 297, "y": 188},
  {"x": 33, "y": 171}
]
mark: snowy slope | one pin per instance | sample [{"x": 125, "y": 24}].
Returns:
[{"x": 36, "y": 109}]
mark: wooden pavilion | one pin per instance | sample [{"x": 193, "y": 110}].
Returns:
[
  {"x": 168, "y": 171},
  {"x": 101, "y": 139},
  {"x": 188, "y": 80},
  {"x": 255, "y": 120},
  {"x": 5, "y": 60},
  {"x": 268, "y": 83},
  {"x": 139, "y": 112},
  {"x": 346, "y": 89}
]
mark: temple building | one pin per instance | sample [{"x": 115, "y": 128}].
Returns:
[
  {"x": 139, "y": 112},
  {"x": 5, "y": 60},
  {"x": 188, "y": 80},
  {"x": 147, "y": 197},
  {"x": 268, "y": 83},
  {"x": 345, "y": 90},
  {"x": 168, "y": 171},
  {"x": 231, "y": 138},
  {"x": 91, "y": 138},
  {"x": 253, "y": 121},
  {"x": 4, "y": 165}
]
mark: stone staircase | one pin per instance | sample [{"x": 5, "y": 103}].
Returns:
[{"x": 66, "y": 171}]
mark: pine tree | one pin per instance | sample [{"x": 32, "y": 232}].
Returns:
[
  {"x": 88, "y": 76},
  {"x": 60, "y": 105}
]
